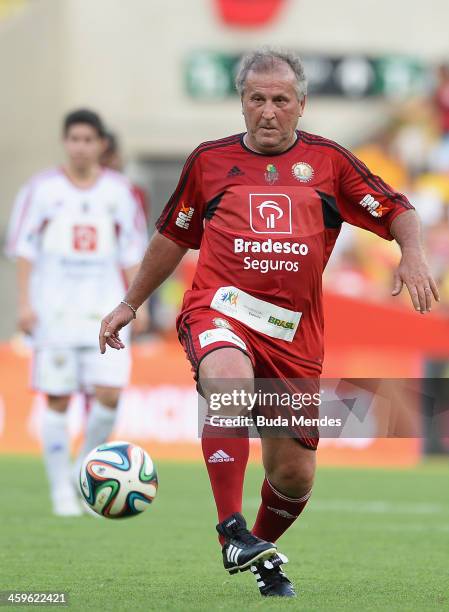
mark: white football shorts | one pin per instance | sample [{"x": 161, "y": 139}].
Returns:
[{"x": 61, "y": 371}]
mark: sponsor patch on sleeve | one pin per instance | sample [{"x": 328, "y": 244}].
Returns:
[
  {"x": 184, "y": 216},
  {"x": 373, "y": 206}
]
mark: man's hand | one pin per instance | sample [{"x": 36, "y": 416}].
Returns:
[
  {"x": 414, "y": 272},
  {"x": 112, "y": 324},
  {"x": 27, "y": 319}
]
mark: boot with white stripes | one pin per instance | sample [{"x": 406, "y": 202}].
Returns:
[
  {"x": 271, "y": 580},
  {"x": 241, "y": 548}
]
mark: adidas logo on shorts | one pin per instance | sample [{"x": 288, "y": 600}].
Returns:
[{"x": 220, "y": 457}]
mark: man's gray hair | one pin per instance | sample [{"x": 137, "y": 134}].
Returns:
[{"x": 267, "y": 58}]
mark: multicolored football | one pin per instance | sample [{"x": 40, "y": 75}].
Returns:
[{"x": 118, "y": 480}]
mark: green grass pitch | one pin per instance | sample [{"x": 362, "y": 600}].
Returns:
[{"x": 369, "y": 540}]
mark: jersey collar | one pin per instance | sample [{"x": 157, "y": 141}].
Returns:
[{"x": 242, "y": 142}]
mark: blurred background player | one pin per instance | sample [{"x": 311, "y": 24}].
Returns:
[{"x": 78, "y": 235}]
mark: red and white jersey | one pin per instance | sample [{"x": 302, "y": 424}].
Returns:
[
  {"x": 80, "y": 241},
  {"x": 266, "y": 225}
]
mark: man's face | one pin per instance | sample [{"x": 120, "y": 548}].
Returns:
[
  {"x": 83, "y": 146},
  {"x": 271, "y": 109}
]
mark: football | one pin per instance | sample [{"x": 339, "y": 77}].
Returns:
[{"x": 118, "y": 480}]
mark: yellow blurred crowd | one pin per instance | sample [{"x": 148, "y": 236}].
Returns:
[{"x": 412, "y": 155}]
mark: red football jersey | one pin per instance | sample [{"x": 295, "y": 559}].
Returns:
[{"x": 266, "y": 226}]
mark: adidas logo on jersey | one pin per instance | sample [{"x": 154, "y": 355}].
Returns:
[
  {"x": 235, "y": 171},
  {"x": 220, "y": 457}
]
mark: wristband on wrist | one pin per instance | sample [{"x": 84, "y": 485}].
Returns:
[{"x": 132, "y": 308}]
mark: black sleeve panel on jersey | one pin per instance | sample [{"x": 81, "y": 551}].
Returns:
[
  {"x": 182, "y": 218},
  {"x": 212, "y": 206},
  {"x": 331, "y": 216},
  {"x": 363, "y": 198}
]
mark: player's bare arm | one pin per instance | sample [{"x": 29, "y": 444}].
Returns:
[
  {"x": 161, "y": 258},
  {"x": 142, "y": 320},
  {"x": 26, "y": 319},
  {"x": 413, "y": 270}
]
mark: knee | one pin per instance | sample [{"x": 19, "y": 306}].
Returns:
[
  {"x": 58, "y": 403},
  {"x": 225, "y": 363},
  {"x": 292, "y": 478},
  {"x": 108, "y": 396},
  {"x": 225, "y": 371}
]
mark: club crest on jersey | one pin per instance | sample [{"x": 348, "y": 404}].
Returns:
[
  {"x": 303, "y": 172},
  {"x": 84, "y": 238},
  {"x": 223, "y": 323},
  {"x": 184, "y": 216},
  {"x": 270, "y": 213},
  {"x": 373, "y": 206},
  {"x": 271, "y": 174}
]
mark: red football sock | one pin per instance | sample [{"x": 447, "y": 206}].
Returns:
[
  {"x": 277, "y": 512},
  {"x": 226, "y": 460}
]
